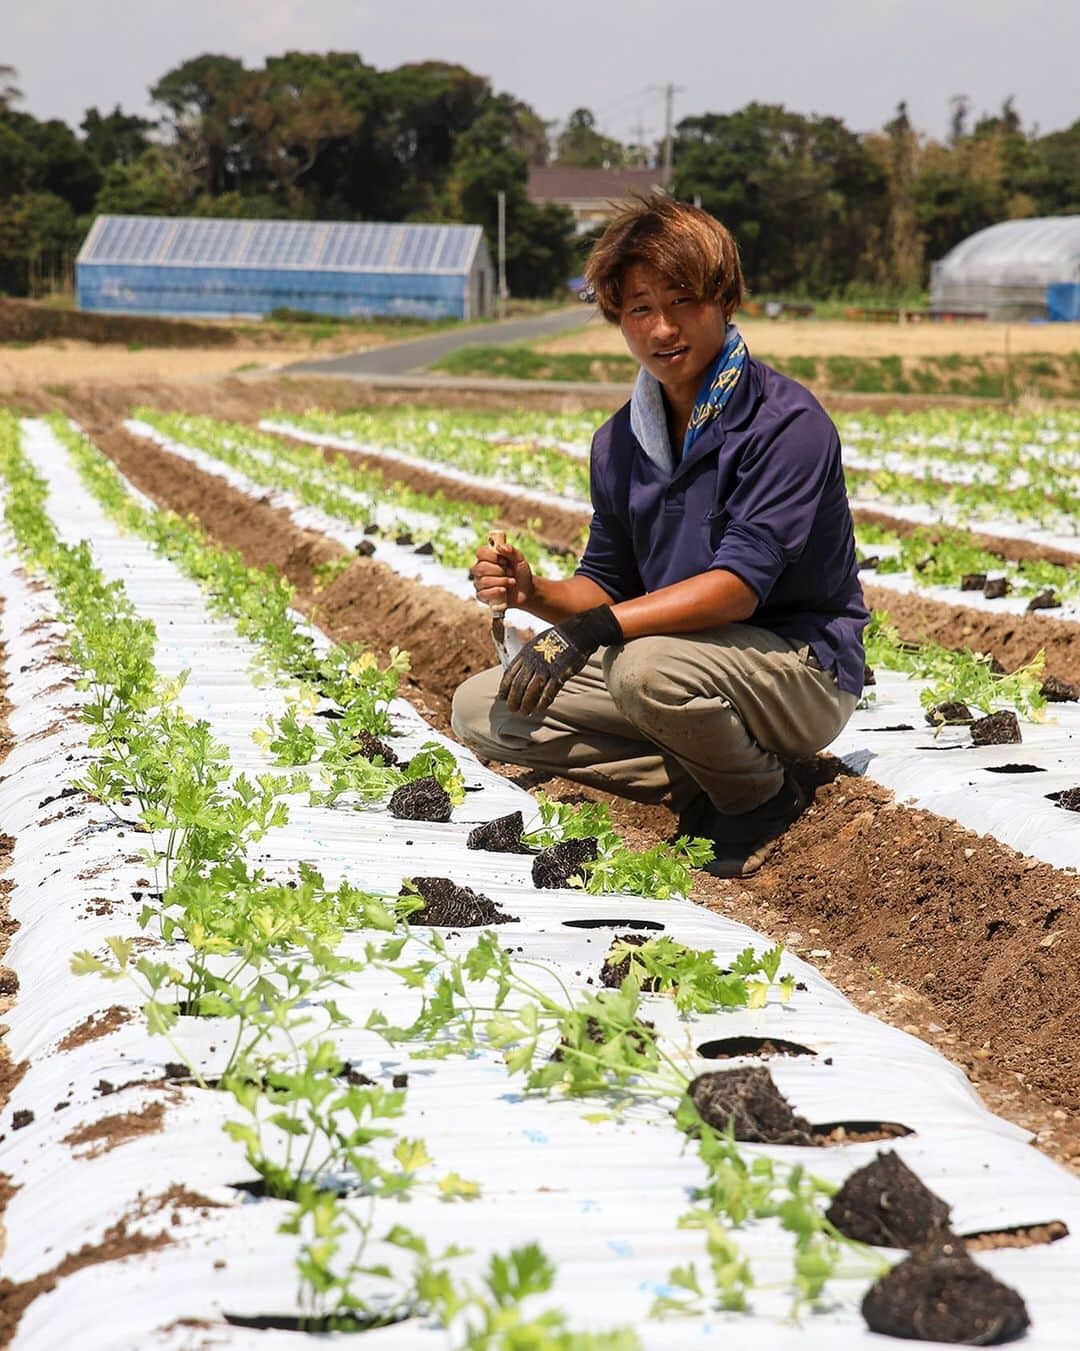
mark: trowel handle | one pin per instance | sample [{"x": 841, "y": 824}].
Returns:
[{"x": 495, "y": 539}]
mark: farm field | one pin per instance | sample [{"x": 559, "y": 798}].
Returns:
[
  {"x": 302, "y": 1043},
  {"x": 1026, "y": 362}
]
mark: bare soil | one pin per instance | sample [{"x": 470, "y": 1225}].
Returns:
[
  {"x": 945, "y": 933},
  {"x": 109, "y": 1132},
  {"x": 119, "y": 1241},
  {"x": 95, "y": 1026}
]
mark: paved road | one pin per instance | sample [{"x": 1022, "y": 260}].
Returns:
[{"x": 401, "y": 357}]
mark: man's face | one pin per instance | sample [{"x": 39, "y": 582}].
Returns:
[{"x": 671, "y": 334}]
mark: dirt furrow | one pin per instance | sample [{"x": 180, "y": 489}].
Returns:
[{"x": 927, "y": 925}]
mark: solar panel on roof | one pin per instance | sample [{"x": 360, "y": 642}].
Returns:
[{"x": 361, "y": 246}]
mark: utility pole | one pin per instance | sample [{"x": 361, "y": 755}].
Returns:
[
  {"x": 639, "y": 145},
  {"x": 669, "y": 91},
  {"x": 503, "y": 291}
]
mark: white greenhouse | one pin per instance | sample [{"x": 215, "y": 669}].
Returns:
[{"x": 1018, "y": 269}]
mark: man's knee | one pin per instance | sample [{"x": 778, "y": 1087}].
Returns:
[
  {"x": 638, "y": 676},
  {"x": 470, "y": 712}
]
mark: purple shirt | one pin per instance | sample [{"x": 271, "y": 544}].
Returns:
[{"x": 761, "y": 494}]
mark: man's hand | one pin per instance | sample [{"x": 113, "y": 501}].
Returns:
[
  {"x": 501, "y": 576},
  {"x": 544, "y": 665}
]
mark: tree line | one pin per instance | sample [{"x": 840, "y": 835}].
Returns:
[{"x": 817, "y": 208}]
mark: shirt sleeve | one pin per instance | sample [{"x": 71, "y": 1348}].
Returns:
[
  {"x": 608, "y": 559},
  {"x": 776, "y": 497}
]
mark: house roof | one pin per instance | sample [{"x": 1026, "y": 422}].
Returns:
[{"x": 567, "y": 183}]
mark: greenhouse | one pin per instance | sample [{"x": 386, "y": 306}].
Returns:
[
  {"x": 1018, "y": 269},
  {"x": 249, "y": 268}
]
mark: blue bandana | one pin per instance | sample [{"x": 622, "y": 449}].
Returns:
[{"x": 717, "y": 386}]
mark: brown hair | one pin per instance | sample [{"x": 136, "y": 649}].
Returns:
[{"x": 680, "y": 241}]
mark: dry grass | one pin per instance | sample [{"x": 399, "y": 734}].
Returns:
[
  {"x": 67, "y": 362},
  {"x": 835, "y": 337}
]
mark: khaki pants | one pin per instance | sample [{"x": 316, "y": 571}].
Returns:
[{"x": 661, "y": 717}]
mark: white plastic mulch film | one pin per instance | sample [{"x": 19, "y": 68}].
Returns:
[
  {"x": 603, "y": 1198},
  {"x": 888, "y": 739}
]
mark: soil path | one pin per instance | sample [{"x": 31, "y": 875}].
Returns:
[{"x": 930, "y": 926}]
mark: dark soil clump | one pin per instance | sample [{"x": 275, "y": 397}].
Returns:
[
  {"x": 748, "y": 1098},
  {"x": 886, "y": 1204},
  {"x": 1045, "y": 600},
  {"x": 446, "y": 905},
  {"x": 1069, "y": 800},
  {"x": 364, "y": 548},
  {"x": 422, "y": 800},
  {"x": 940, "y": 1295},
  {"x": 555, "y": 866},
  {"x": 973, "y": 581},
  {"x": 614, "y": 973},
  {"x": 426, "y": 548},
  {"x": 1058, "y": 691},
  {"x": 996, "y": 587},
  {"x": 501, "y": 836},
  {"x": 949, "y": 714},
  {"x": 370, "y": 746},
  {"x": 997, "y": 729}
]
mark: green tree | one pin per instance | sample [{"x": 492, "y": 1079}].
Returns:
[
  {"x": 580, "y": 143},
  {"x": 207, "y": 102},
  {"x": 149, "y": 186},
  {"x": 116, "y": 137},
  {"x": 800, "y": 194},
  {"x": 38, "y": 238},
  {"x": 490, "y": 157}
]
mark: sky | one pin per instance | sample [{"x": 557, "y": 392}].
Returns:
[{"x": 853, "y": 59}]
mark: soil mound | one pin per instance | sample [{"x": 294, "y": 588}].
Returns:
[
  {"x": 940, "y": 1295},
  {"x": 501, "y": 836},
  {"x": 446, "y": 905},
  {"x": 886, "y": 1204},
  {"x": 422, "y": 800},
  {"x": 555, "y": 866},
  {"x": 748, "y": 1099}
]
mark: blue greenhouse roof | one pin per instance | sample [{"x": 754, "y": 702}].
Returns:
[{"x": 347, "y": 246}]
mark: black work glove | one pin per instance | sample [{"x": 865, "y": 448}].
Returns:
[{"x": 546, "y": 663}]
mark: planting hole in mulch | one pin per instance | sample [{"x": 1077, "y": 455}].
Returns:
[
  {"x": 1058, "y": 691},
  {"x": 446, "y": 905},
  {"x": 858, "y": 1132},
  {"x": 422, "y": 800},
  {"x": 613, "y": 973},
  {"x": 886, "y": 1204},
  {"x": 1014, "y": 769},
  {"x": 1016, "y": 1236},
  {"x": 727, "y": 1048},
  {"x": 282, "y": 1322},
  {"x": 895, "y": 727},
  {"x": 650, "y": 925},
  {"x": 997, "y": 729},
  {"x": 555, "y": 866},
  {"x": 1068, "y": 799},
  {"x": 501, "y": 836},
  {"x": 940, "y": 1295}
]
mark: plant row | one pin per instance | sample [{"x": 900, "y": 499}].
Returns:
[
  {"x": 304, "y": 1130},
  {"x": 955, "y": 676},
  {"x": 262, "y": 955},
  {"x": 947, "y": 557},
  {"x": 363, "y": 498}
]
